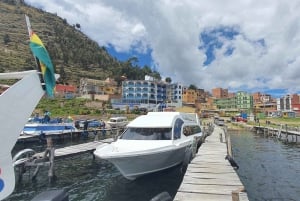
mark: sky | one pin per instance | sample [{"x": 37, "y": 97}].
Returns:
[{"x": 245, "y": 45}]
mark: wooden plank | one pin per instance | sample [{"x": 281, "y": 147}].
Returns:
[
  {"x": 210, "y": 176},
  {"x": 209, "y": 189},
  {"x": 184, "y": 196},
  {"x": 76, "y": 149}
]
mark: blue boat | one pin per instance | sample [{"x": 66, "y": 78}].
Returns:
[{"x": 56, "y": 126}]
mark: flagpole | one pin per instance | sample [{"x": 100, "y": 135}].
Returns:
[{"x": 30, "y": 32}]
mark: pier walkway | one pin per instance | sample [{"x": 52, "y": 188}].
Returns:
[
  {"x": 210, "y": 176},
  {"x": 77, "y": 149}
]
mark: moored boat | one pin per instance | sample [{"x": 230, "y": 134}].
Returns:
[
  {"x": 37, "y": 128},
  {"x": 153, "y": 142}
]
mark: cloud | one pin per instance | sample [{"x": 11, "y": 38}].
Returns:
[{"x": 254, "y": 45}]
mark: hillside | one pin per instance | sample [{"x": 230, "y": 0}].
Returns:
[{"x": 74, "y": 55}]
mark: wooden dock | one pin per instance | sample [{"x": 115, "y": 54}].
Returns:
[
  {"x": 210, "y": 176},
  {"x": 68, "y": 151},
  {"x": 51, "y": 154},
  {"x": 283, "y": 132}
]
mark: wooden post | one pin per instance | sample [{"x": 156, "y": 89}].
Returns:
[
  {"x": 236, "y": 194},
  {"x": 228, "y": 143},
  {"x": 229, "y": 148},
  {"x": 50, "y": 150}
]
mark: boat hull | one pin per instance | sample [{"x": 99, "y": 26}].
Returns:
[{"x": 138, "y": 164}]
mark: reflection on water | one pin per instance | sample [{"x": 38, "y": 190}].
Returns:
[
  {"x": 86, "y": 179},
  {"x": 269, "y": 169}
]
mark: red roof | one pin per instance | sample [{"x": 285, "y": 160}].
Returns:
[{"x": 65, "y": 88}]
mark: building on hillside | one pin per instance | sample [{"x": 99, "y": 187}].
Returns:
[
  {"x": 143, "y": 92},
  {"x": 289, "y": 103},
  {"x": 296, "y": 103},
  {"x": 220, "y": 93},
  {"x": 201, "y": 96},
  {"x": 263, "y": 103},
  {"x": 261, "y": 98},
  {"x": 207, "y": 109},
  {"x": 244, "y": 102},
  {"x": 231, "y": 95},
  {"x": 67, "y": 91},
  {"x": 102, "y": 90},
  {"x": 284, "y": 103},
  {"x": 174, "y": 94},
  {"x": 226, "y": 103},
  {"x": 189, "y": 96}
]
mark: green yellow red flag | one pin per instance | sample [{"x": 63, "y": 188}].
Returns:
[{"x": 39, "y": 51}]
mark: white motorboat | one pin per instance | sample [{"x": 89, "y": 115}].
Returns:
[{"x": 153, "y": 142}]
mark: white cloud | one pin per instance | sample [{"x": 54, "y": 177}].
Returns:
[{"x": 171, "y": 28}]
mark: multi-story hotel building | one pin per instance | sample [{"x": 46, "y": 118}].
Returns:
[{"x": 144, "y": 91}]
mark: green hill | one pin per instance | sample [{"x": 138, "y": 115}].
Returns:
[{"x": 73, "y": 54}]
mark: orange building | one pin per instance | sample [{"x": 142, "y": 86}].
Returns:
[
  {"x": 189, "y": 96},
  {"x": 220, "y": 93},
  {"x": 65, "y": 90}
]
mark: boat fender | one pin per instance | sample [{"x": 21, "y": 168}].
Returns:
[
  {"x": 232, "y": 162},
  {"x": 163, "y": 196}
]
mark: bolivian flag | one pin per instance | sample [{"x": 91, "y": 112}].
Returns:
[{"x": 43, "y": 60}]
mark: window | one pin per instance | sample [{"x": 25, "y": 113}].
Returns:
[
  {"x": 177, "y": 128},
  {"x": 147, "y": 134},
  {"x": 191, "y": 130}
]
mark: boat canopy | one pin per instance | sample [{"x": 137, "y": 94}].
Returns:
[{"x": 161, "y": 119}]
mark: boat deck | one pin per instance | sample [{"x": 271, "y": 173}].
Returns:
[{"x": 209, "y": 176}]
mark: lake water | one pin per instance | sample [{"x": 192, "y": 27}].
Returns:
[{"x": 269, "y": 169}]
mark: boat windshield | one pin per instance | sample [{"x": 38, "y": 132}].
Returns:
[{"x": 147, "y": 134}]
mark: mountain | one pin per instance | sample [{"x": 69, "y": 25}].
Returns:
[{"x": 73, "y": 54}]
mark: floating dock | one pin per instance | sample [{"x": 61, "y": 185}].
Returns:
[{"x": 210, "y": 176}]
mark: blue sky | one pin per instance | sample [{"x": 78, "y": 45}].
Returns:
[
  {"x": 245, "y": 45},
  {"x": 143, "y": 58}
]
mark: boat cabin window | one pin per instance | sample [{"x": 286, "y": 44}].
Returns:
[
  {"x": 147, "y": 134},
  {"x": 177, "y": 128},
  {"x": 191, "y": 130}
]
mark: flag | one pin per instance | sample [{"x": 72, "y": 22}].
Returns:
[{"x": 43, "y": 59}]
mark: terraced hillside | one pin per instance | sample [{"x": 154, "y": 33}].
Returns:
[{"x": 74, "y": 55}]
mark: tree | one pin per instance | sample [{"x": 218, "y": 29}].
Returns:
[
  {"x": 168, "y": 80},
  {"x": 78, "y": 26},
  {"x": 192, "y": 86}
]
